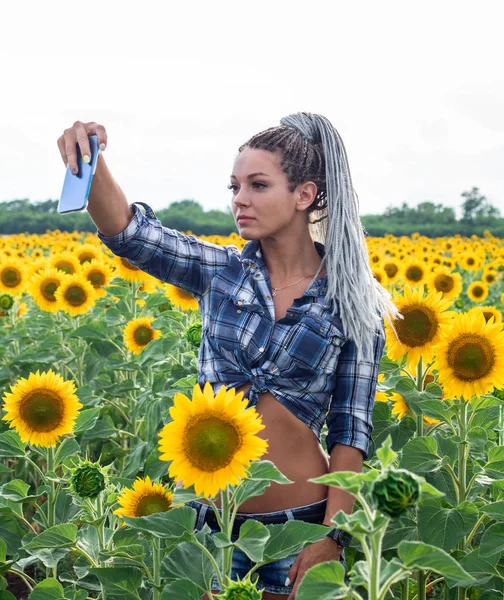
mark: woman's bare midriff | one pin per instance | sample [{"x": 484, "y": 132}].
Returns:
[{"x": 295, "y": 451}]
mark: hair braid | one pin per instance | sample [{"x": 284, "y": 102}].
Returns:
[{"x": 311, "y": 149}]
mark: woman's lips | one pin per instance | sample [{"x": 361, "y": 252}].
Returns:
[{"x": 245, "y": 219}]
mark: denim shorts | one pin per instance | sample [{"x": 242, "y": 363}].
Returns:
[{"x": 272, "y": 576}]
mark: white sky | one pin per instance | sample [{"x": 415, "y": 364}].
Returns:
[{"x": 416, "y": 90}]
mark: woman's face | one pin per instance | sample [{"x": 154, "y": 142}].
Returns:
[{"x": 260, "y": 190}]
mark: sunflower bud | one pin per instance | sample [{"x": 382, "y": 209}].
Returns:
[
  {"x": 240, "y": 590},
  {"x": 87, "y": 479},
  {"x": 394, "y": 491},
  {"x": 193, "y": 334},
  {"x": 164, "y": 307},
  {"x": 6, "y": 301}
]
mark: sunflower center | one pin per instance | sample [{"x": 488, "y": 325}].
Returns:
[
  {"x": 48, "y": 290},
  {"x": 143, "y": 335},
  {"x": 444, "y": 283},
  {"x": 42, "y": 410},
  {"x": 126, "y": 263},
  {"x": 96, "y": 278},
  {"x": 148, "y": 505},
  {"x": 478, "y": 291},
  {"x": 414, "y": 273},
  {"x": 470, "y": 261},
  {"x": 418, "y": 327},
  {"x": 11, "y": 277},
  {"x": 211, "y": 443},
  {"x": 65, "y": 266},
  {"x": 75, "y": 295},
  {"x": 391, "y": 269},
  {"x": 471, "y": 357},
  {"x": 86, "y": 257}
]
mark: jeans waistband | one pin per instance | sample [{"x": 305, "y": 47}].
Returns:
[{"x": 311, "y": 513}]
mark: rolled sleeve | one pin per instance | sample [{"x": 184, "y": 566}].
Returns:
[
  {"x": 167, "y": 254},
  {"x": 350, "y": 415}
]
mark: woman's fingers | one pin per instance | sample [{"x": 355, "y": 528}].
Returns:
[{"x": 79, "y": 134}]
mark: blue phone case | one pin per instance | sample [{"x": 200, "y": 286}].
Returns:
[{"x": 75, "y": 193}]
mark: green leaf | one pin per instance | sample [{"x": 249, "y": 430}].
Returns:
[
  {"x": 252, "y": 539},
  {"x": 324, "y": 581},
  {"x": 188, "y": 561},
  {"x": 420, "y": 455},
  {"x": 417, "y": 555},
  {"x": 59, "y": 536},
  {"x": 495, "y": 510},
  {"x": 3, "y": 551},
  {"x": 492, "y": 540},
  {"x": 495, "y": 464},
  {"x": 181, "y": 589},
  {"x": 482, "y": 568},
  {"x": 444, "y": 527},
  {"x": 49, "y": 589},
  {"x": 5, "y": 595},
  {"x": 384, "y": 424},
  {"x": 50, "y": 557},
  {"x": 172, "y": 524},
  {"x": 290, "y": 538},
  {"x": 385, "y": 453},
  {"x": 119, "y": 581},
  {"x": 350, "y": 481},
  {"x": 260, "y": 475},
  {"x": 11, "y": 445},
  {"x": 16, "y": 490},
  {"x": 68, "y": 447},
  {"x": 86, "y": 419},
  {"x": 135, "y": 459}
]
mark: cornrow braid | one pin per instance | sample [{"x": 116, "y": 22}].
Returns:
[{"x": 311, "y": 149}]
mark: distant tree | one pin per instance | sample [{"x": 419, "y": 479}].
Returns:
[{"x": 476, "y": 206}]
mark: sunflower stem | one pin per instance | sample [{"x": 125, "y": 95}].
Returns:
[
  {"x": 51, "y": 501},
  {"x": 463, "y": 450},
  {"x": 156, "y": 566},
  {"x": 419, "y": 385},
  {"x": 228, "y": 552}
]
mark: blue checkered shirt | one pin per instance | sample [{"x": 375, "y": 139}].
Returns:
[{"x": 303, "y": 359}]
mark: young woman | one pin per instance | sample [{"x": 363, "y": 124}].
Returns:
[{"x": 294, "y": 322}]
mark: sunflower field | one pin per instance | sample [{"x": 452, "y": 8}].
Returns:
[{"x": 105, "y": 435}]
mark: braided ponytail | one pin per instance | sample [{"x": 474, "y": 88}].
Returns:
[{"x": 312, "y": 150}]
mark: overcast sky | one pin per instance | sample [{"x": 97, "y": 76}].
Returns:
[{"x": 416, "y": 90}]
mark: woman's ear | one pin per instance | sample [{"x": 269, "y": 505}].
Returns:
[{"x": 306, "y": 195}]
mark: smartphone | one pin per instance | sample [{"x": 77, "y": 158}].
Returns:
[{"x": 75, "y": 193}]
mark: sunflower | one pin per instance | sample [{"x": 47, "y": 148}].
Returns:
[
  {"x": 477, "y": 291},
  {"x": 419, "y": 330},
  {"x": 75, "y": 295},
  {"x": 380, "y": 275},
  {"x": 88, "y": 252},
  {"x": 400, "y": 408},
  {"x": 12, "y": 276},
  {"x": 446, "y": 281},
  {"x": 489, "y": 276},
  {"x": 392, "y": 268},
  {"x": 65, "y": 261},
  {"x": 470, "y": 356},
  {"x": 180, "y": 297},
  {"x": 98, "y": 274},
  {"x": 415, "y": 272},
  {"x": 128, "y": 271},
  {"x": 146, "y": 498},
  {"x": 138, "y": 333},
  {"x": 43, "y": 286},
  {"x": 211, "y": 440},
  {"x": 488, "y": 312},
  {"x": 470, "y": 261},
  {"x": 42, "y": 408}
]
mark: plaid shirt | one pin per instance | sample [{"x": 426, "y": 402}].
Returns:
[{"x": 303, "y": 359}]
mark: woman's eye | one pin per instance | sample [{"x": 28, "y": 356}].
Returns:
[{"x": 260, "y": 185}]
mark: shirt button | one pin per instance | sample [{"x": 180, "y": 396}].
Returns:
[
  {"x": 258, "y": 275},
  {"x": 212, "y": 334},
  {"x": 238, "y": 311},
  {"x": 323, "y": 289},
  {"x": 322, "y": 329},
  {"x": 239, "y": 302},
  {"x": 261, "y": 349},
  {"x": 268, "y": 297}
]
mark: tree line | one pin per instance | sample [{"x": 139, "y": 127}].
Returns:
[{"x": 427, "y": 218}]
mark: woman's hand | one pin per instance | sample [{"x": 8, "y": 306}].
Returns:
[
  {"x": 78, "y": 134},
  {"x": 318, "y": 552}
]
